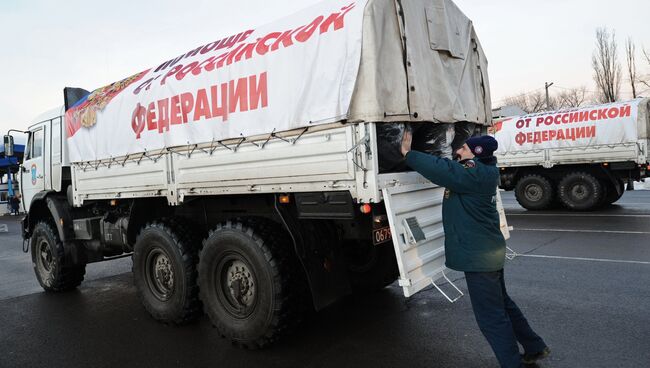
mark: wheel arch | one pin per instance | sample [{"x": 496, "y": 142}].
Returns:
[{"x": 46, "y": 205}]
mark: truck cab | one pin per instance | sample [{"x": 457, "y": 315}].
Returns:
[{"x": 42, "y": 170}]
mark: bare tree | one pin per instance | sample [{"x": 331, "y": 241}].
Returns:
[
  {"x": 646, "y": 80},
  {"x": 529, "y": 102},
  {"x": 630, "y": 53},
  {"x": 574, "y": 97},
  {"x": 607, "y": 69}
]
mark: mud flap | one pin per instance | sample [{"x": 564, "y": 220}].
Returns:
[{"x": 415, "y": 217}]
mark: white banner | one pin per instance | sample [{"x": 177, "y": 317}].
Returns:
[
  {"x": 590, "y": 126},
  {"x": 296, "y": 72}
]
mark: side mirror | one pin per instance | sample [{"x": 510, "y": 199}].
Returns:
[{"x": 9, "y": 145}]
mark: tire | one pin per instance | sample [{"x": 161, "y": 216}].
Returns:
[
  {"x": 49, "y": 263},
  {"x": 534, "y": 192},
  {"x": 371, "y": 267},
  {"x": 250, "y": 281},
  {"x": 164, "y": 270},
  {"x": 580, "y": 191},
  {"x": 612, "y": 193}
]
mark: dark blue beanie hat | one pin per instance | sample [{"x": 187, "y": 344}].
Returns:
[{"x": 483, "y": 146}]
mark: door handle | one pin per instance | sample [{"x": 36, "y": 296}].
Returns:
[{"x": 40, "y": 176}]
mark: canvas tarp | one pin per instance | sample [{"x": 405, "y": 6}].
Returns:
[{"x": 355, "y": 60}]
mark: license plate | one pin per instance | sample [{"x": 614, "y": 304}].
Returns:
[{"x": 382, "y": 235}]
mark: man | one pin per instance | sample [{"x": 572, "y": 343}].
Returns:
[
  {"x": 15, "y": 204},
  {"x": 475, "y": 245}
]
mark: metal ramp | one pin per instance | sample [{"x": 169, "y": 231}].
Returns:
[{"x": 415, "y": 217}]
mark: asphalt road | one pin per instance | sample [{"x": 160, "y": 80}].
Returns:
[{"x": 582, "y": 279}]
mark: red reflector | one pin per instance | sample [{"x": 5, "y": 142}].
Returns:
[{"x": 366, "y": 208}]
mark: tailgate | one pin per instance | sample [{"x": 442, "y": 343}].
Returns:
[{"x": 415, "y": 217}]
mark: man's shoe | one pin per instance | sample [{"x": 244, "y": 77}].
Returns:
[{"x": 531, "y": 358}]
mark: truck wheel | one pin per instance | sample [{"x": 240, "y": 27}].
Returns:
[
  {"x": 534, "y": 192},
  {"x": 371, "y": 267},
  {"x": 164, "y": 270},
  {"x": 580, "y": 191},
  {"x": 249, "y": 282},
  {"x": 48, "y": 260},
  {"x": 612, "y": 192}
]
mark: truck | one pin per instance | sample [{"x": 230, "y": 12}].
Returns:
[
  {"x": 253, "y": 178},
  {"x": 580, "y": 158}
]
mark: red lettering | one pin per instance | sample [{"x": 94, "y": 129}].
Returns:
[
  {"x": 565, "y": 119},
  {"x": 175, "y": 115},
  {"x": 584, "y": 116},
  {"x": 602, "y": 114},
  {"x": 574, "y": 118},
  {"x": 262, "y": 48},
  {"x": 570, "y": 134},
  {"x": 560, "y": 134},
  {"x": 246, "y": 51},
  {"x": 202, "y": 108},
  {"x": 170, "y": 73},
  {"x": 229, "y": 42},
  {"x": 591, "y": 131},
  {"x": 138, "y": 120},
  {"x": 232, "y": 54},
  {"x": 146, "y": 85},
  {"x": 520, "y": 139},
  {"x": 207, "y": 63},
  {"x": 185, "y": 70},
  {"x": 551, "y": 135},
  {"x": 151, "y": 117},
  {"x": 613, "y": 113},
  {"x": 540, "y": 121},
  {"x": 335, "y": 19},
  {"x": 593, "y": 115},
  {"x": 285, "y": 39},
  {"x": 187, "y": 103},
  {"x": 545, "y": 135},
  {"x": 238, "y": 95},
  {"x": 626, "y": 111},
  {"x": 223, "y": 109},
  {"x": 209, "y": 47},
  {"x": 258, "y": 91},
  {"x": 194, "y": 52},
  {"x": 306, "y": 33},
  {"x": 163, "y": 115}
]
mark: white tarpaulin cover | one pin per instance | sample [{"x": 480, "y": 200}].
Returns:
[
  {"x": 609, "y": 124},
  {"x": 337, "y": 60}
]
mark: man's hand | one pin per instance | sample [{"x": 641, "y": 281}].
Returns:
[{"x": 407, "y": 138}]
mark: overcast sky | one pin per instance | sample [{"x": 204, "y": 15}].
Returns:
[{"x": 49, "y": 44}]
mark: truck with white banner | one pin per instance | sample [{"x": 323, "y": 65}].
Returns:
[
  {"x": 579, "y": 157},
  {"x": 254, "y": 177}
]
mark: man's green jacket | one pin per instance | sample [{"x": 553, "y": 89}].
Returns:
[{"x": 473, "y": 238}]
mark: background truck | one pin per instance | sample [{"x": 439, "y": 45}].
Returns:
[
  {"x": 243, "y": 176},
  {"x": 581, "y": 157}
]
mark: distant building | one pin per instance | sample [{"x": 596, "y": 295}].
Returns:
[{"x": 505, "y": 111}]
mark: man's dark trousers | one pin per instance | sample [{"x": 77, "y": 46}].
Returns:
[{"x": 499, "y": 318}]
